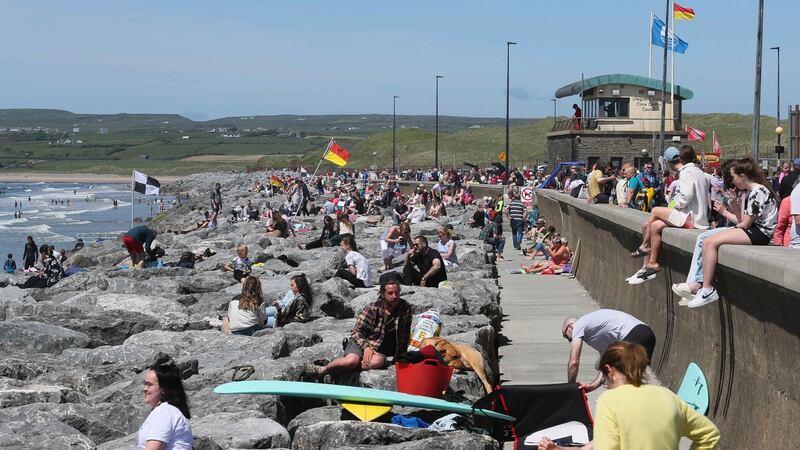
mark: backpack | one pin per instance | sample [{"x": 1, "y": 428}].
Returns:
[{"x": 187, "y": 260}]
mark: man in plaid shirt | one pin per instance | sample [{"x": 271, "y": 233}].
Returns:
[{"x": 382, "y": 329}]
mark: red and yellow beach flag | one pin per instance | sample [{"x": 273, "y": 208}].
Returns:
[
  {"x": 275, "y": 181},
  {"x": 336, "y": 154},
  {"x": 682, "y": 13}
]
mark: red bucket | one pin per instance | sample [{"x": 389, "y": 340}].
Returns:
[{"x": 428, "y": 378}]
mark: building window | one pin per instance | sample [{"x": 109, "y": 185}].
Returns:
[{"x": 614, "y": 107}]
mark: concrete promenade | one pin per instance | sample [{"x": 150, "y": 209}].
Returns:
[{"x": 534, "y": 307}]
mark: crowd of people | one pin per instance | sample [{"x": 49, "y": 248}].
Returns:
[{"x": 732, "y": 204}]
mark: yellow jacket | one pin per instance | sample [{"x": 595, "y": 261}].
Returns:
[{"x": 649, "y": 418}]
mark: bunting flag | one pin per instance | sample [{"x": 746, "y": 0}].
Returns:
[
  {"x": 275, "y": 181},
  {"x": 145, "y": 185},
  {"x": 682, "y": 13},
  {"x": 694, "y": 134},
  {"x": 336, "y": 154},
  {"x": 659, "y": 39},
  {"x": 716, "y": 148}
]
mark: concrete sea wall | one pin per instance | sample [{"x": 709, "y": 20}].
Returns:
[{"x": 747, "y": 343}]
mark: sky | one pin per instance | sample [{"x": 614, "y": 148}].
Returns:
[{"x": 210, "y": 59}]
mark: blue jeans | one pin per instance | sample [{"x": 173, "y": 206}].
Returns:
[
  {"x": 542, "y": 248},
  {"x": 499, "y": 244},
  {"x": 695, "y": 274},
  {"x": 517, "y": 230},
  {"x": 248, "y": 331},
  {"x": 272, "y": 312}
]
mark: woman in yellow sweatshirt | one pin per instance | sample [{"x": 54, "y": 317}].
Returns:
[{"x": 636, "y": 416}]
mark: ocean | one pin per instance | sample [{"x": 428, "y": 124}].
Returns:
[{"x": 59, "y": 213}]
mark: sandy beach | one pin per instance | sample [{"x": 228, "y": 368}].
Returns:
[{"x": 54, "y": 177}]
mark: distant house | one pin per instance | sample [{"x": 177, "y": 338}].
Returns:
[
  {"x": 102, "y": 131},
  {"x": 79, "y": 141},
  {"x": 76, "y": 130},
  {"x": 475, "y": 126},
  {"x": 184, "y": 137}
]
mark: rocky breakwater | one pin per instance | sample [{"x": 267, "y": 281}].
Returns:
[{"x": 73, "y": 355}]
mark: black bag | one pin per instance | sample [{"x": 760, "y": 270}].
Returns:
[{"x": 187, "y": 260}]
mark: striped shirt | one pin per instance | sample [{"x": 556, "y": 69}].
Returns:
[{"x": 516, "y": 210}]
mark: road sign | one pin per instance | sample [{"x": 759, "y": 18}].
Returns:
[
  {"x": 526, "y": 194},
  {"x": 502, "y": 156}
]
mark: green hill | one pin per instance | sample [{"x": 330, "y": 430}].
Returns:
[{"x": 172, "y": 144}]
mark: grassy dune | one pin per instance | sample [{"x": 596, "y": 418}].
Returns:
[{"x": 156, "y": 142}]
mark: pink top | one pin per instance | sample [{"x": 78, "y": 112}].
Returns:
[{"x": 783, "y": 229}]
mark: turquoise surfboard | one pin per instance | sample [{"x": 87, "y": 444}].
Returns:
[
  {"x": 352, "y": 394},
  {"x": 694, "y": 389}
]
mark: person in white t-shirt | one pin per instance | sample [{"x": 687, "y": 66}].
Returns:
[
  {"x": 167, "y": 426},
  {"x": 690, "y": 211},
  {"x": 794, "y": 240},
  {"x": 600, "y": 329},
  {"x": 358, "y": 272}
]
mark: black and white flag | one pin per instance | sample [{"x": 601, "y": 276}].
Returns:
[{"x": 144, "y": 184}]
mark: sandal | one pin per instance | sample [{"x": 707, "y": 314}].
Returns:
[
  {"x": 241, "y": 373},
  {"x": 639, "y": 253}
]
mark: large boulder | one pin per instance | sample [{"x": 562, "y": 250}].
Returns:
[
  {"x": 38, "y": 337},
  {"x": 348, "y": 434},
  {"x": 238, "y": 430}
]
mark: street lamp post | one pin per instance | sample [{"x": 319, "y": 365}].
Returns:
[
  {"x": 394, "y": 134},
  {"x": 508, "y": 83},
  {"x": 779, "y": 93},
  {"x": 436, "y": 151},
  {"x": 554, "y": 111},
  {"x": 757, "y": 89}
]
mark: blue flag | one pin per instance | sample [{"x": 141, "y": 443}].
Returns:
[{"x": 658, "y": 37}]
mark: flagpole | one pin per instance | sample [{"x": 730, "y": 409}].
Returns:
[
  {"x": 133, "y": 180},
  {"x": 323, "y": 157},
  {"x": 650, "y": 48},
  {"x": 674, "y": 39},
  {"x": 664, "y": 78}
]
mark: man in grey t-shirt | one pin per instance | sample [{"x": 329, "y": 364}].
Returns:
[{"x": 600, "y": 329}]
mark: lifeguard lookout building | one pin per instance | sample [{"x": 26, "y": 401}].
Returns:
[{"x": 621, "y": 120}]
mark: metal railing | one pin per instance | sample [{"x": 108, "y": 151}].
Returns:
[{"x": 608, "y": 124}]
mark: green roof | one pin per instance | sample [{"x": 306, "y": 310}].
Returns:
[{"x": 621, "y": 78}]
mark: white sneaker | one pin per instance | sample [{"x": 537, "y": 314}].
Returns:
[
  {"x": 703, "y": 297},
  {"x": 635, "y": 276},
  {"x": 682, "y": 290}
]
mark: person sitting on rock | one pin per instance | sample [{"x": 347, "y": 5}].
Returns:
[
  {"x": 424, "y": 265},
  {"x": 295, "y": 306},
  {"x": 246, "y": 315},
  {"x": 279, "y": 227},
  {"x": 10, "y": 266},
  {"x": 382, "y": 329},
  {"x": 138, "y": 241},
  {"x": 328, "y": 230},
  {"x": 447, "y": 248},
  {"x": 50, "y": 274},
  {"x": 492, "y": 234},
  {"x": 241, "y": 265},
  {"x": 478, "y": 219},
  {"x": 394, "y": 242},
  {"x": 167, "y": 425},
  {"x": 358, "y": 271}
]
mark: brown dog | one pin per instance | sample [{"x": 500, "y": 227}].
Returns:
[{"x": 460, "y": 357}]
